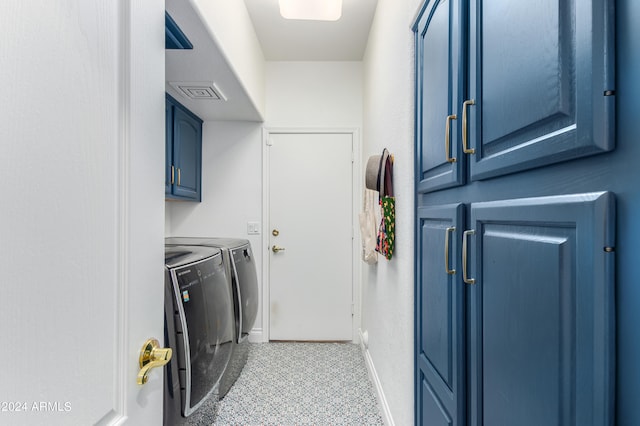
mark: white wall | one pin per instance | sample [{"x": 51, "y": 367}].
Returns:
[
  {"x": 387, "y": 293},
  {"x": 314, "y": 94}
]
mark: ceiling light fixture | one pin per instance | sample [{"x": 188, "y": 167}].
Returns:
[{"x": 313, "y": 10}]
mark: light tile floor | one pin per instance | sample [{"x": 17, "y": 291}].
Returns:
[{"x": 289, "y": 384}]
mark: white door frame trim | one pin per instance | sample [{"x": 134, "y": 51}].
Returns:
[{"x": 356, "y": 171}]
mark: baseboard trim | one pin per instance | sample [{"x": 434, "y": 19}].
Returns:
[
  {"x": 371, "y": 369},
  {"x": 255, "y": 336}
]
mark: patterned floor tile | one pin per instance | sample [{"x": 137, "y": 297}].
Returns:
[{"x": 295, "y": 384}]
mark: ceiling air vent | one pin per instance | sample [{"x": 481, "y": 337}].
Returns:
[{"x": 199, "y": 91}]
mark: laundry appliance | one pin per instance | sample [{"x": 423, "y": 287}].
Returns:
[
  {"x": 199, "y": 328},
  {"x": 241, "y": 267}
]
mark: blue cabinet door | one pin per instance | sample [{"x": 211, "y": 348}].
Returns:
[
  {"x": 542, "y": 311},
  {"x": 440, "y": 324},
  {"x": 440, "y": 77},
  {"x": 183, "y": 152},
  {"x": 541, "y": 77},
  {"x": 187, "y": 154}
]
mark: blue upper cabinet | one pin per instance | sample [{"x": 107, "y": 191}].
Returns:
[
  {"x": 183, "y": 153},
  {"x": 440, "y": 89},
  {"x": 541, "y": 83},
  {"x": 503, "y": 87}
]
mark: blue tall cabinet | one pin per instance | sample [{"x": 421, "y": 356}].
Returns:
[{"x": 523, "y": 181}]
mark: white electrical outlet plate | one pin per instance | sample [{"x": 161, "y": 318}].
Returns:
[{"x": 253, "y": 228}]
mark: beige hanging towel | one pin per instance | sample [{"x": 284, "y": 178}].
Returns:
[{"x": 368, "y": 227}]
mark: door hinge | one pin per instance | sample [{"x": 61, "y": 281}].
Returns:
[{"x": 353, "y": 309}]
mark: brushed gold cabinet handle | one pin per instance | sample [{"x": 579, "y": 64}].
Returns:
[
  {"x": 447, "y": 237},
  {"x": 465, "y": 276},
  {"x": 465, "y": 145},
  {"x": 178, "y": 176},
  {"x": 447, "y": 136},
  {"x": 152, "y": 356},
  {"x": 172, "y": 174}
]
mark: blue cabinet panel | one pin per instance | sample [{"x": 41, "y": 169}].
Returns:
[
  {"x": 440, "y": 326},
  {"x": 624, "y": 166},
  {"x": 434, "y": 413},
  {"x": 440, "y": 78},
  {"x": 542, "y": 311},
  {"x": 542, "y": 79},
  {"x": 530, "y": 377}
]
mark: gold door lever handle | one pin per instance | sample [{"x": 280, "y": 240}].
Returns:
[
  {"x": 276, "y": 249},
  {"x": 152, "y": 356}
]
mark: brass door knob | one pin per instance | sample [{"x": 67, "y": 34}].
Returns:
[
  {"x": 152, "y": 356},
  {"x": 276, "y": 249}
]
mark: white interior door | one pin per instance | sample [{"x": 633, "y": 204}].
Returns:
[
  {"x": 82, "y": 216},
  {"x": 310, "y": 213}
]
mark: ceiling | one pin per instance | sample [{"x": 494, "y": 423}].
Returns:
[
  {"x": 281, "y": 40},
  {"x": 295, "y": 40}
]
